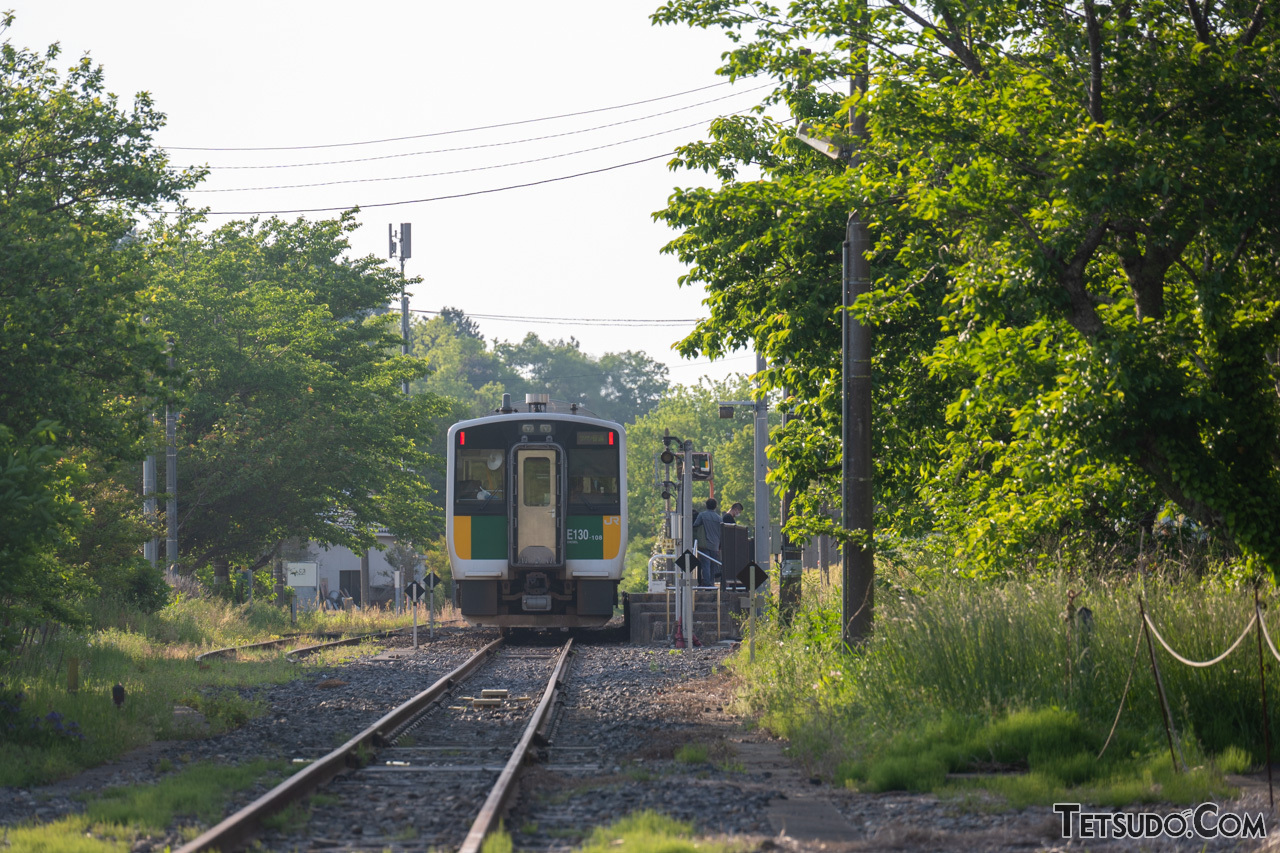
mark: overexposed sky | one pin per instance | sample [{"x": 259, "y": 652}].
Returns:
[{"x": 287, "y": 74}]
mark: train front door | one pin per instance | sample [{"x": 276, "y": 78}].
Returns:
[{"x": 537, "y": 503}]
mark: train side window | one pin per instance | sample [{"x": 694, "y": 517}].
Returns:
[{"x": 479, "y": 474}]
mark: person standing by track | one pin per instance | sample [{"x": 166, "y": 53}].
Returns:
[{"x": 706, "y": 532}]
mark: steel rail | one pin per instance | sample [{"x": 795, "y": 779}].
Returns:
[
  {"x": 229, "y": 650},
  {"x": 491, "y": 811},
  {"x": 235, "y": 831},
  {"x": 301, "y": 650},
  {"x": 349, "y": 641}
]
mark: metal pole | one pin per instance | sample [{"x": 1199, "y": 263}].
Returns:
[
  {"x": 686, "y": 511},
  {"x": 404, "y": 322},
  {"x": 761, "y": 494}
]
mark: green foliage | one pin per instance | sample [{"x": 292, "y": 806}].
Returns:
[
  {"x": 293, "y": 423},
  {"x": 616, "y": 386},
  {"x": 691, "y": 414},
  {"x": 150, "y": 655},
  {"x": 200, "y": 791},
  {"x": 1072, "y": 223},
  {"x": 1022, "y": 687},
  {"x": 646, "y": 832},
  {"x": 81, "y": 367}
]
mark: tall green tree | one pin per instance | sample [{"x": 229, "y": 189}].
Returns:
[
  {"x": 79, "y": 365},
  {"x": 462, "y": 366},
  {"x": 1092, "y": 188},
  {"x": 691, "y": 414},
  {"x": 293, "y": 421}
]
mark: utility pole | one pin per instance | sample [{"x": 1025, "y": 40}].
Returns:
[
  {"x": 151, "y": 548},
  {"x": 171, "y": 486},
  {"x": 405, "y": 240},
  {"x": 790, "y": 570},
  {"x": 857, "y": 599},
  {"x": 761, "y": 494},
  {"x": 171, "y": 480}
]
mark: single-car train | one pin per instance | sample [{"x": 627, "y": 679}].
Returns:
[{"x": 536, "y": 516}]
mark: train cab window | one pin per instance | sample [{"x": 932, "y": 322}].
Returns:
[
  {"x": 593, "y": 477},
  {"x": 480, "y": 476}
]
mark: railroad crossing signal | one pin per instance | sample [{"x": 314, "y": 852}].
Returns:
[{"x": 415, "y": 591}]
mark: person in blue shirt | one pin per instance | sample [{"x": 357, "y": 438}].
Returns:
[{"x": 706, "y": 532}]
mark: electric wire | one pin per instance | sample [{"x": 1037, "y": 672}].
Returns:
[
  {"x": 447, "y": 132},
  {"x": 345, "y": 207},
  {"x": 571, "y": 321},
  {"x": 456, "y": 171},
  {"x": 478, "y": 146}
]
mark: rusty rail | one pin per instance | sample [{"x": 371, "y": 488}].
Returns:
[
  {"x": 493, "y": 805},
  {"x": 235, "y": 831}
]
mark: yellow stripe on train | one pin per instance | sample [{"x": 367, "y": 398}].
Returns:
[
  {"x": 462, "y": 536},
  {"x": 612, "y": 536}
]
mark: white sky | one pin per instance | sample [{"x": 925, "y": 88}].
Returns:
[{"x": 286, "y": 73}]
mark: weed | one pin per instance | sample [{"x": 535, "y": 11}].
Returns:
[
  {"x": 692, "y": 753},
  {"x": 498, "y": 841},
  {"x": 290, "y": 819},
  {"x": 646, "y": 832},
  {"x": 1030, "y": 700}
]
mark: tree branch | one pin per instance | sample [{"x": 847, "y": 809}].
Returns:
[
  {"x": 952, "y": 38},
  {"x": 1095, "y": 61},
  {"x": 1255, "y": 24},
  {"x": 1201, "y": 24}
]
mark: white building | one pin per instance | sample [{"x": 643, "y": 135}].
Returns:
[{"x": 337, "y": 568}]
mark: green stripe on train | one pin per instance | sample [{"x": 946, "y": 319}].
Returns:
[{"x": 488, "y": 537}]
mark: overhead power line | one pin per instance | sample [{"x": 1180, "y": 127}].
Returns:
[
  {"x": 479, "y": 146},
  {"x": 446, "y": 132},
  {"x": 340, "y": 208},
  {"x": 634, "y": 322},
  {"x": 457, "y": 171}
]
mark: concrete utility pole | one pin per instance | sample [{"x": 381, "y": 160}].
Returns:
[
  {"x": 151, "y": 548},
  {"x": 856, "y": 503},
  {"x": 790, "y": 570},
  {"x": 171, "y": 484},
  {"x": 760, "y": 496}
]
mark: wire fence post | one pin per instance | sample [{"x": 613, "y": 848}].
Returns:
[
  {"x": 1164, "y": 704},
  {"x": 1266, "y": 716}
]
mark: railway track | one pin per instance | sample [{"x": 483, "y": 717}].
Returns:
[{"x": 435, "y": 773}]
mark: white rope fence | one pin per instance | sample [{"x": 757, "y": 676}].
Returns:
[
  {"x": 1266, "y": 635},
  {"x": 1220, "y": 658}
]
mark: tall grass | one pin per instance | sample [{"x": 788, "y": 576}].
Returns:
[
  {"x": 949, "y": 663},
  {"x": 152, "y": 657}
]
